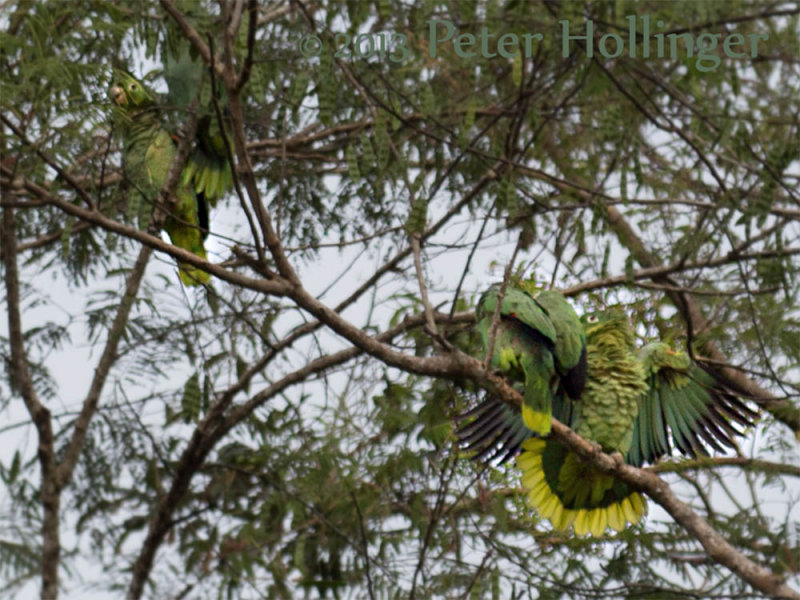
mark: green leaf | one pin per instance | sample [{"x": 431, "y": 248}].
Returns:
[
  {"x": 13, "y": 472},
  {"x": 516, "y": 68},
  {"x": 207, "y": 391},
  {"x": 241, "y": 368},
  {"x": 267, "y": 323},
  {"x": 629, "y": 262},
  {"x": 66, "y": 234},
  {"x": 326, "y": 88},
  {"x": 297, "y": 89},
  {"x": 606, "y": 256},
  {"x": 382, "y": 142},
  {"x": 352, "y": 163},
  {"x": 190, "y": 400},
  {"x": 427, "y": 100},
  {"x": 367, "y": 153},
  {"x": 417, "y": 217},
  {"x": 384, "y": 8},
  {"x": 469, "y": 121}
]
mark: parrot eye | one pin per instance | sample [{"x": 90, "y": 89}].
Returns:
[
  {"x": 591, "y": 319},
  {"x": 132, "y": 87}
]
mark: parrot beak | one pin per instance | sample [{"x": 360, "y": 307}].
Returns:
[{"x": 117, "y": 95}]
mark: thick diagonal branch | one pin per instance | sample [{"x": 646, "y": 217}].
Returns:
[{"x": 457, "y": 365}]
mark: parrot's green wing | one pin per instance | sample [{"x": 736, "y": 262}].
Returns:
[
  {"x": 685, "y": 401},
  {"x": 631, "y": 404},
  {"x": 208, "y": 169},
  {"x": 570, "y": 344},
  {"x": 492, "y": 431},
  {"x": 552, "y": 351},
  {"x": 523, "y": 349},
  {"x": 517, "y": 305},
  {"x": 148, "y": 153}
]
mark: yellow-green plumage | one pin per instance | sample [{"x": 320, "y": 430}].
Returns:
[
  {"x": 627, "y": 402},
  {"x": 148, "y": 153},
  {"x": 615, "y": 383}
]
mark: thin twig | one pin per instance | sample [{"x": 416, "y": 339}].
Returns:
[
  {"x": 501, "y": 294},
  {"x": 423, "y": 290},
  {"x": 365, "y": 544}
]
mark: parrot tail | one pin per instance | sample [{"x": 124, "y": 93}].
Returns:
[
  {"x": 538, "y": 420},
  {"x": 192, "y": 276},
  {"x": 567, "y": 491},
  {"x": 191, "y": 239}
]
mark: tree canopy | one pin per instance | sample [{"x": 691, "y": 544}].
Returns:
[{"x": 287, "y": 430}]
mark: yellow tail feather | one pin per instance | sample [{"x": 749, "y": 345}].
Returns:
[
  {"x": 191, "y": 276},
  {"x": 594, "y": 521},
  {"x": 189, "y": 238}
]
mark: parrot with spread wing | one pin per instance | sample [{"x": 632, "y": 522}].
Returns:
[
  {"x": 148, "y": 152},
  {"x": 587, "y": 373}
]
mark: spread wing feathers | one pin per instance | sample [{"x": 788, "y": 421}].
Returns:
[
  {"x": 492, "y": 431},
  {"x": 687, "y": 402}
]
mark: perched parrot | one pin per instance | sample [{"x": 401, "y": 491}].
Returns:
[
  {"x": 147, "y": 155},
  {"x": 540, "y": 343},
  {"x": 626, "y": 401}
]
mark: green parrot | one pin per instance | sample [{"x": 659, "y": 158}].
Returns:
[
  {"x": 540, "y": 343},
  {"x": 626, "y": 401},
  {"x": 147, "y": 155}
]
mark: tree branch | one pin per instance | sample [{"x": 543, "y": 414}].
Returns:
[
  {"x": 132, "y": 283},
  {"x": 763, "y": 466},
  {"x": 40, "y": 415},
  {"x": 273, "y": 287},
  {"x": 215, "y": 425}
]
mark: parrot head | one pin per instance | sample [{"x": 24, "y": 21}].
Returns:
[
  {"x": 127, "y": 92},
  {"x": 611, "y": 323},
  {"x": 596, "y": 319}
]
